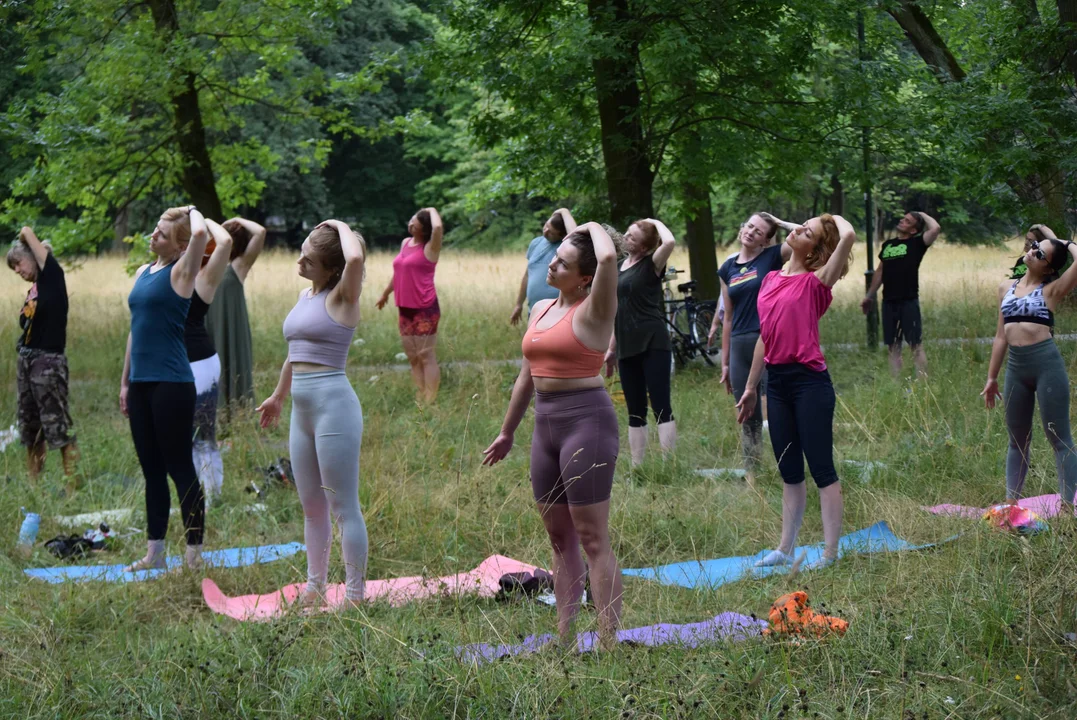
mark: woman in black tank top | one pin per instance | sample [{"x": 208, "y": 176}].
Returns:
[{"x": 206, "y": 365}]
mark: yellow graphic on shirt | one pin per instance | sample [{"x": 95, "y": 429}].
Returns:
[
  {"x": 29, "y": 309},
  {"x": 746, "y": 275}
]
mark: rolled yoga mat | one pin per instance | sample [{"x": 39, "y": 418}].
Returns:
[
  {"x": 481, "y": 581},
  {"x": 726, "y": 626},
  {"x": 715, "y": 573},
  {"x": 232, "y": 558}
]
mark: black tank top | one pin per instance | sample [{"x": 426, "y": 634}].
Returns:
[
  {"x": 640, "y": 324},
  {"x": 199, "y": 344}
]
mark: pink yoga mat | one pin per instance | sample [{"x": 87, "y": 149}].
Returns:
[
  {"x": 1047, "y": 506},
  {"x": 481, "y": 581}
]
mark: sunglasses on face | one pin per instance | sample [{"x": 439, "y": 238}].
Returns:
[{"x": 1039, "y": 254}]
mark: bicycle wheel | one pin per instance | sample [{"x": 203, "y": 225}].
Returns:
[
  {"x": 681, "y": 319},
  {"x": 703, "y": 317}
]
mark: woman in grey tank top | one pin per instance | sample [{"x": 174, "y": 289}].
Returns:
[{"x": 326, "y": 427}]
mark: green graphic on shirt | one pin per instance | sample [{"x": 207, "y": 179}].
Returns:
[{"x": 895, "y": 251}]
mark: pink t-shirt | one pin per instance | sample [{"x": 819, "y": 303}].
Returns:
[
  {"x": 789, "y": 310},
  {"x": 413, "y": 278}
]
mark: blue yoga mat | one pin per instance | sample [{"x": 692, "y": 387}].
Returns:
[
  {"x": 715, "y": 573},
  {"x": 231, "y": 558}
]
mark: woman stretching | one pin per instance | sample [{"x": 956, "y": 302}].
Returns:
[
  {"x": 326, "y": 428},
  {"x": 417, "y": 300},
  {"x": 206, "y": 364},
  {"x": 800, "y": 395},
  {"x": 1036, "y": 234},
  {"x": 41, "y": 372},
  {"x": 157, "y": 388},
  {"x": 227, "y": 322},
  {"x": 640, "y": 343},
  {"x": 741, "y": 276},
  {"x": 1035, "y": 369},
  {"x": 575, "y": 443}
]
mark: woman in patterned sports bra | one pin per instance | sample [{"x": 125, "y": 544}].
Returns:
[
  {"x": 1035, "y": 369},
  {"x": 576, "y": 440}
]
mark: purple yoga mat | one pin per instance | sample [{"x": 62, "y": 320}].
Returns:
[
  {"x": 726, "y": 626},
  {"x": 1047, "y": 506}
]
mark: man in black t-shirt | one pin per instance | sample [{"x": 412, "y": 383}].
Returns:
[
  {"x": 41, "y": 372},
  {"x": 899, "y": 273}
]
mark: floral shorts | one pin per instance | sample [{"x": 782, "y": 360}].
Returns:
[{"x": 420, "y": 321}]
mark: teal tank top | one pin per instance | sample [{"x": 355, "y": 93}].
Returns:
[{"x": 158, "y": 316}]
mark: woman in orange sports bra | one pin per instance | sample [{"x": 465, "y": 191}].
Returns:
[{"x": 576, "y": 439}]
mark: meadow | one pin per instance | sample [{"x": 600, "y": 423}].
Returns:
[{"x": 971, "y": 629}]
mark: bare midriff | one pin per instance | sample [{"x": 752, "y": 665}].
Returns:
[
  {"x": 306, "y": 367},
  {"x": 1020, "y": 334},
  {"x": 549, "y": 384}
]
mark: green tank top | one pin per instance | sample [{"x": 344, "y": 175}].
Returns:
[{"x": 230, "y": 329}]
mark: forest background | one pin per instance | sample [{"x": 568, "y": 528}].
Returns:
[{"x": 697, "y": 111}]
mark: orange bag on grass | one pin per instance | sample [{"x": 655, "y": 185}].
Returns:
[{"x": 790, "y": 615}]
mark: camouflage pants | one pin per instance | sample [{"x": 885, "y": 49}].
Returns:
[{"x": 42, "y": 383}]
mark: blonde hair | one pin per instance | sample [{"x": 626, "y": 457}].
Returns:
[
  {"x": 826, "y": 245},
  {"x": 180, "y": 220},
  {"x": 17, "y": 252},
  {"x": 325, "y": 242}
]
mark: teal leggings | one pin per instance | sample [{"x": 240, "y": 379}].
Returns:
[{"x": 1037, "y": 372}]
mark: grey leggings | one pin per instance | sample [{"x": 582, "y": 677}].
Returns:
[
  {"x": 1037, "y": 372},
  {"x": 324, "y": 440},
  {"x": 741, "y": 350}
]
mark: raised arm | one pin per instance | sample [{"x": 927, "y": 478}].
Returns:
[
  {"x": 931, "y": 229},
  {"x": 350, "y": 286},
  {"x": 186, "y": 269},
  {"x": 601, "y": 305},
  {"x": 244, "y": 262},
  {"x": 432, "y": 249},
  {"x": 29, "y": 239},
  {"x": 665, "y": 248},
  {"x": 1064, "y": 285},
  {"x": 570, "y": 222},
  {"x": 788, "y": 227},
  {"x": 210, "y": 277},
  {"x": 831, "y": 272}
]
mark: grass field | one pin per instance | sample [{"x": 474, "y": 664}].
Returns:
[{"x": 969, "y": 630}]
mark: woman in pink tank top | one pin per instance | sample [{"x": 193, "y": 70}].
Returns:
[
  {"x": 800, "y": 396},
  {"x": 417, "y": 300}
]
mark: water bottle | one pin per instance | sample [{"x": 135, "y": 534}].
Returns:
[{"x": 28, "y": 532}]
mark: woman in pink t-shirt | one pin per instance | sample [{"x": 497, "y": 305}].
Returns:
[
  {"x": 800, "y": 396},
  {"x": 417, "y": 300}
]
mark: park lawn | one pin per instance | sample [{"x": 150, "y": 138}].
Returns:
[{"x": 971, "y": 629}]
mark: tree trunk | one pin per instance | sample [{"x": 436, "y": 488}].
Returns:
[
  {"x": 837, "y": 196},
  {"x": 699, "y": 236},
  {"x": 121, "y": 228},
  {"x": 1067, "y": 18},
  {"x": 629, "y": 178},
  {"x": 198, "y": 181},
  {"x": 927, "y": 41}
]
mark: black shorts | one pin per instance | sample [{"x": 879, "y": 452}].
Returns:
[{"x": 901, "y": 321}]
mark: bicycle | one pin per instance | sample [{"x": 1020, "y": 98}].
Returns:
[{"x": 689, "y": 322}]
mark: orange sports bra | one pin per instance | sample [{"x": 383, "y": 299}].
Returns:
[{"x": 556, "y": 352}]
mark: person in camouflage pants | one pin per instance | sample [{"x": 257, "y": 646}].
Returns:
[
  {"x": 44, "y": 418},
  {"x": 41, "y": 373}
]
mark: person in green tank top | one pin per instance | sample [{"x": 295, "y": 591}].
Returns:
[{"x": 227, "y": 320}]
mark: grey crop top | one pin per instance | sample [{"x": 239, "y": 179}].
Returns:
[
  {"x": 1031, "y": 308},
  {"x": 313, "y": 336}
]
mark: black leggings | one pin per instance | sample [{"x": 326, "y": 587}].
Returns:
[
  {"x": 800, "y": 402},
  {"x": 162, "y": 415},
  {"x": 646, "y": 373}
]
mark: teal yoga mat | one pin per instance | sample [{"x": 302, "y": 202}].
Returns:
[{"x": 715, "y": 573}]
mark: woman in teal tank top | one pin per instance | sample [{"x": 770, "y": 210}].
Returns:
[{"x": 157, "y": 388}]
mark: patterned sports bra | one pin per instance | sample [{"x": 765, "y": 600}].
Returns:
[{"x": 1031, "y": 308}]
